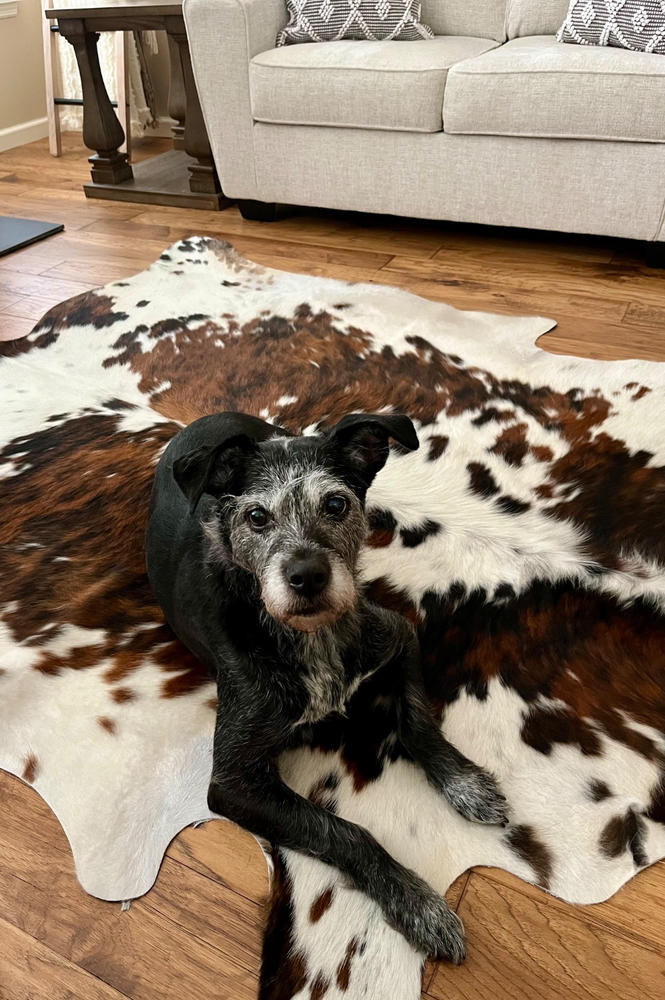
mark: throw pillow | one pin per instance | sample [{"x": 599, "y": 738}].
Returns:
[
  {"x": 626, "y": 24},
  {"x": 331, "y": 20}
]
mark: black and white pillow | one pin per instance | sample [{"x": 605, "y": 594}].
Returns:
[
  {"x": 331, "y": 20},
  {"x": 626, "y": 24}
]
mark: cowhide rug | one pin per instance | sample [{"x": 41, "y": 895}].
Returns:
[{"x": 526, "y": 539}]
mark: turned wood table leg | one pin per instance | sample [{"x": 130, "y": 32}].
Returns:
[
  {"x": 176, "y": 102},
  {"x": 102, "y": 131},
  {"x": 202, "y": 174}
]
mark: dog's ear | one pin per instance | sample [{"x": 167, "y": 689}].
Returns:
[
  {"x": 362, "y": 439},
  {"x": 214, "y": 470}
]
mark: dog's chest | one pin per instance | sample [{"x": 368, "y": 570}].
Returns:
[{"x": 325, "y": 677}]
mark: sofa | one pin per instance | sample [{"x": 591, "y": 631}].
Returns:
[{"x": 491, "y": 121}]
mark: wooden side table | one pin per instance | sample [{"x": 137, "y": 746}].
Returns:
[{"x": 184, "y": 177}]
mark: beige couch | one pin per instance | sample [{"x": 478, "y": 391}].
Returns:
[{"x": 491, "y": 121}]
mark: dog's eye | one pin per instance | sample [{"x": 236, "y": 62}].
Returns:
[
  {"x": 257, "y": 517},
  {"x": 336, "y": 506}
]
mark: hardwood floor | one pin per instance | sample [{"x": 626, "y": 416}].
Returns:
[{"x": 198, "y": 932}]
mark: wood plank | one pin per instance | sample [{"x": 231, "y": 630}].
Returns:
[
  {"x": 616, "y": 283},
  {"x": 89, "y": 244},
  {"x": 94, "y": 273},
  {"x": 140, "y": 230},
  {"x": 635, "y": 911},
  {"x": 20, "y": 805},
  {"x": 67, "y": 201},
  {"x": 204, "y": 907},
  {"x": 191, "y": 936},
  {"x": 31, "y": 971},
  {"x": 30, "y": 284},
  {"x": 604, "y": 341},
  {"x": 345, "y": 230},
  {"x": 12, "y": 327},
  {"x": 247, "y": 245},
  {"x": 31, "y": 307},
  {"x": 71, "y": 247},
  {"x": 506, "y": 298},
  {"x": 638, "y": 314},
  {"x": 523, "y": 949},
  {"x": 37, "y": 258},
  {"x": 483, "y": 244},
  {"x": 226, "y": 854},
  {"x": 8, "y": 299}
]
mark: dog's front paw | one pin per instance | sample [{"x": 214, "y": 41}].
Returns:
[
  {"x": 475, "y": 795},
  {"x": 435, "y": 930}
]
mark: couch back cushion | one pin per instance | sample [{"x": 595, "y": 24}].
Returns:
[
  {"x": 535, "y": 17},
  {"x": 476, "y": 18}
]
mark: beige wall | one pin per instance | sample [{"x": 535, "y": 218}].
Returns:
[
  {"x": 22, "y": 95},
  {"x": 21, "y": 66}
]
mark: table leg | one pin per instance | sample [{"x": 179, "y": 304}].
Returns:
[
  {"x": 202, "y": 174},
  {"x": 102, "y": 131},
  {"x": 176, "y": 102}
]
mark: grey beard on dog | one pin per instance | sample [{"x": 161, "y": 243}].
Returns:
[{"x": 252, "y": 549}]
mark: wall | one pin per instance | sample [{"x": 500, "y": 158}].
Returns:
[
  {"x": 22, "y": 93},
  {"x": 22, "y": 96}
]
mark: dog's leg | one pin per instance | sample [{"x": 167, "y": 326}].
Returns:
[
  {"x": 471, "y": 790},
  {"x": 271, "y": 810},
  {"x": 251, "y": 794}
]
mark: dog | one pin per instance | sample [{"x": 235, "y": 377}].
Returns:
[{"x": 252, "y": 549}]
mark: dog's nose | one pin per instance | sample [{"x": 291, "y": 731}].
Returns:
[{"x": 308, "y": 575}]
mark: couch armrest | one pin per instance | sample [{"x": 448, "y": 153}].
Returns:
[{"x": 224, "y": 35}]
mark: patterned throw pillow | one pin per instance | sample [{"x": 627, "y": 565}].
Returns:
[
  {"x": 330, "y": 20},
  {"x": 626, "y": 24}
]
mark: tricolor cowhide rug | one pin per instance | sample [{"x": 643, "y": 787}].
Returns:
[{"x": 526, "y": 539}]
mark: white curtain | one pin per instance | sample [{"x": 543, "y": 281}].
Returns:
[{"x": 71, "y": 118}]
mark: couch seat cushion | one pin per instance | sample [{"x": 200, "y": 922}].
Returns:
[
  {"x": 355, "y": 84},
  {"x": 538, "y": 87}
]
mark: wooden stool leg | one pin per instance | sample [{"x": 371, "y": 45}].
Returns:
[
  {"x": 202, "y": 174},
  {"x": 176, "y": 103},
  {"x": 122, "y": 41},
  {"x": 50, "y": 42},
  {"x": 101, "y": 129}
]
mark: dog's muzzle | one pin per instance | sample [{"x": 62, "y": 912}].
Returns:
[{"x": 309, "y": 590}]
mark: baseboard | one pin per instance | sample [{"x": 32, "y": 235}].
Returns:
[{"x": 18, "y": 135}]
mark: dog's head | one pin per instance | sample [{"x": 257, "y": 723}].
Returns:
[{"x": 291, "y": 510}]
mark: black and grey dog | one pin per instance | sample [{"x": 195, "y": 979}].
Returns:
[{"x": 252, "y": 548}]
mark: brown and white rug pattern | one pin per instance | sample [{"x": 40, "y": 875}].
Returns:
[{"x": 525, "y": 539}]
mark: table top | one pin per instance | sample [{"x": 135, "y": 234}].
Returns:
[{"x": 134, "y": 8}]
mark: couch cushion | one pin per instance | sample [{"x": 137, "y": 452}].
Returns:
[
  {"x": 386, "y": 85},
  {"x": 538, "y": 87},
  {"x": 478, "y": 18},
  {"x": 535, "y": 17}
]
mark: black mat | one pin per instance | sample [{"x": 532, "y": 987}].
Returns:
[{"x": 17, "y": 233}]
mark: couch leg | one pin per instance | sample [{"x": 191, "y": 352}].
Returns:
[
  {"x": 656, "y": 255},
  {"x": 258, "y": 211}
]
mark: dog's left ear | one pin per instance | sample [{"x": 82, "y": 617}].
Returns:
[
  {"x": 362, "y": 439},
  {"x": 214, "y": 470}
]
